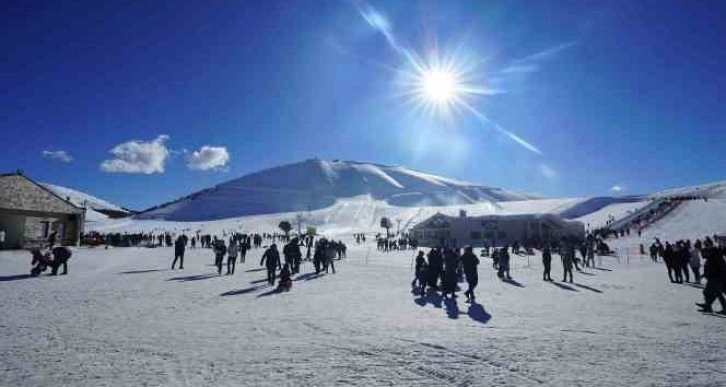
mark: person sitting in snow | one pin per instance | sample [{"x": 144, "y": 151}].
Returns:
[{"x": 285, "y": 283}]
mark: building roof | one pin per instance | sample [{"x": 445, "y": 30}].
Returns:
[
  {"x": 20, "y": 193},
  {"x": 451, "y": 218}
]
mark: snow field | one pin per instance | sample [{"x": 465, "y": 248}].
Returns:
[{"x": 121, "y": 317}]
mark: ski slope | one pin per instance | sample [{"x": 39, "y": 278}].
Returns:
[{"x": 121, "y": 317}]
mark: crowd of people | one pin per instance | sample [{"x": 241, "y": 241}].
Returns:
[{"x": 683, "y": 255}]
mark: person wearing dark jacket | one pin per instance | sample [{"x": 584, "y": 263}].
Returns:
[
  {"x": 567, "y": 253},
  {"x": 668, "y": 257},
  {"x": 503, "y": 259},
  {"x": 285, "y": 283},
  {"x": 470, "y": 262},
  {"x": 179, "y": 246},
  {"x": 436, "y": 268},
  {"x": 61, "y": 255},
  {"x": 547, "y": 263},
  {"x": 451, "y": 262},
  {"x": 219, "y": 251},
  {"x": 714, "y": 270},
  {"x": 271, "y": 260},
  {"x": 420, "y": 271}
]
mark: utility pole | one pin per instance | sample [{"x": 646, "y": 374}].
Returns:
[{"x": 398, "y": 227}]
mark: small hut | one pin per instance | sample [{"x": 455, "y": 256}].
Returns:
[{"x": 29, "y": 213}]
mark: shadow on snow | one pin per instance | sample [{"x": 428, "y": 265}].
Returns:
[
  {"x": 243, "y": 291},
  {"x": 196, "y": 277},
  {"x": 478, "y": 313},
  {"x": 15, "y": 277},
  {"x": 563, "y": 286},
  {"x": 513, "y": 282},
  {"x": 600, "y": 268},
  {"x": 581, "y": 286},
  {"x": 141, "y": 271}
]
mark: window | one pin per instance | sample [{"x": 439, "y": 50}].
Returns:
[
  {"x": 44, "y": 229},
  {"x": 489, "y": 235},
  {"x": 475, "y": 235},
  {"x": 502, "y": 235}
]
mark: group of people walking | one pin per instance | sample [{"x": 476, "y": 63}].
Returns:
[
  {"x": 683, "y": 255},
  {"x": 442, "y": 268}
]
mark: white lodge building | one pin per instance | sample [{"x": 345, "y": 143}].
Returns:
[{"x": 494, "y": 230}]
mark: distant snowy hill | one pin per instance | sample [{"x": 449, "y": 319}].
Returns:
[
  {"x": 97, "y": 208},
  {"x": 317, "y": 184},
  {"x": 715, "y": 190}
]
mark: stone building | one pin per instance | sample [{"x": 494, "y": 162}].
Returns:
[{"x": 29, "y": 213}]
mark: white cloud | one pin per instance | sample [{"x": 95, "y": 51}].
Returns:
[
  {"x": 547, "y": 171},
  {"x": 208, "y": 157},
  {"x": 136, "y": 156},
  {"x": 617, "y": 188},
  {"x": 58, "y": 155}
]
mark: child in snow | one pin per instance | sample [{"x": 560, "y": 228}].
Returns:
[{"x": 285, "y": 279}]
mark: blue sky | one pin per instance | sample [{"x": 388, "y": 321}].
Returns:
[{"x": 624, "y": 93}]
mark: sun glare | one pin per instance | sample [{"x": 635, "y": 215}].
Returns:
[{"x": 439, "y": 86}]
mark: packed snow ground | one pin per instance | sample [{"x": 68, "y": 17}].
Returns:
[{"x": 122, "y": 317}]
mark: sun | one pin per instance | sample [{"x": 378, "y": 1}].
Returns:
[{"x": 439, "y": 86}]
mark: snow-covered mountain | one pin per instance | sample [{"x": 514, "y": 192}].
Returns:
[
  {"x": 316, "y": 184},
  {"x": 97, "y": 208}
]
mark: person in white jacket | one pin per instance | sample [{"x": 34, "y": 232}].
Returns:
[{"x": 695, "y": 263}]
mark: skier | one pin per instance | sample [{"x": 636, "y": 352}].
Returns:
[
  {"x": 219, "y": 250},
  {"x": 470, "y": 262},
  {"x": 503, "y": 263},
  {"x": 271, "y": 259},
  {"x": 451, "y": 261},
  {"x": 547, "y": 263},
  {"x": 179, "y": 247},
  {"x": 654, "y": 253},
  {"x": 568, "y": 256},
  {"x": 231, "y": 257}
]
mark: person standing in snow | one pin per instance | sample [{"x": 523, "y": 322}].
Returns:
[
  {"x": 420, "y": 272},
  {"x": 470, "y": 262},
  {"x": 179, "y": 247},
  {"x": 271, "y": 260},
  {"x": 668, "y": 257},
  {"x": 231, "y": 257},
  {"x": 714, "y": 270},
  {"x": 503, "y": 263},
  {"x": 547, "y": 263},
  {"x": 695, "y": 263},
  {"x": 568, "y": 258},
  {"x": 51, "y": 239},
  {"x": 451, "y": 262},
  {"x": 436, "y": 268},
  {"x": 219, "y": 250}
]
